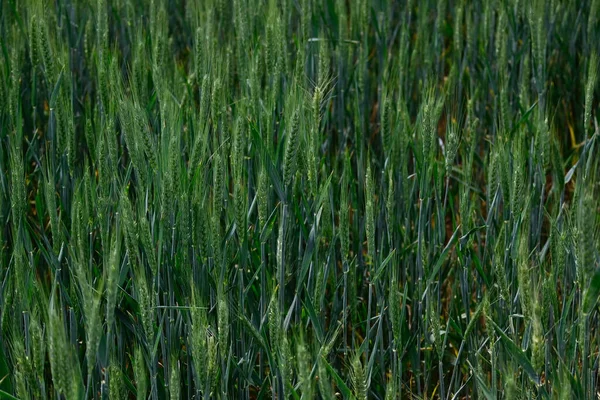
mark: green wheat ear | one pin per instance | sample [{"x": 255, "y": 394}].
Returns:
[
  {"x": 145, "y": 297},
  {"x": 358, "y": 377},
  {"x": 590, "y": 86},
  {"x": 452, "y": 145},
  {"x": 139, "y": 373},
  {"x": 344, "y": 221},
  {"x": 223, "y": 320},
  {"x": 148, "y": 244},
  {"x": 262, "y": 197},
  {"x": 370, "y": 213},
  {"x": 38, "y": 345},
  {"x": 386, "y": 124},
  {"x": 93, "y": 329},
  {"x": 304, "y": 366},
  {"x": 390, "y": 203},
  {"x": 112, "y": 277},
  {"x": 290, "y": 158},
  {"x": 396, "y": 312},
  {"x": 197, "y": 337},
  {"x": 391, "y": 390},
  {"x": 116, "y": 384},
  {"x": 175, "y": 380},
  {"x": 324, "y": 382},
  {"x": 286, "y": 364},
  {"x": 23, "y": 366},
  {"x": 63, "y": 363},
  {"x": 274, "y": 324}
]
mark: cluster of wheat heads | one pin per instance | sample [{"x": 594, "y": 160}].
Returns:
[{"x": 299, "y": 199}]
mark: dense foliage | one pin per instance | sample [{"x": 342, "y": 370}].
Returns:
[{"x": 299, "y": 199}]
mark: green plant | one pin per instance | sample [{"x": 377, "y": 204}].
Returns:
[{"x": 278, "y": 199}]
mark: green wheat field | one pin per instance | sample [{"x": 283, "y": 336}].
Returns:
[{"x": 299, "y": 199}]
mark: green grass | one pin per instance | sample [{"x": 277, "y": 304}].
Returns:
[{"x": 299, "y": 199}]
